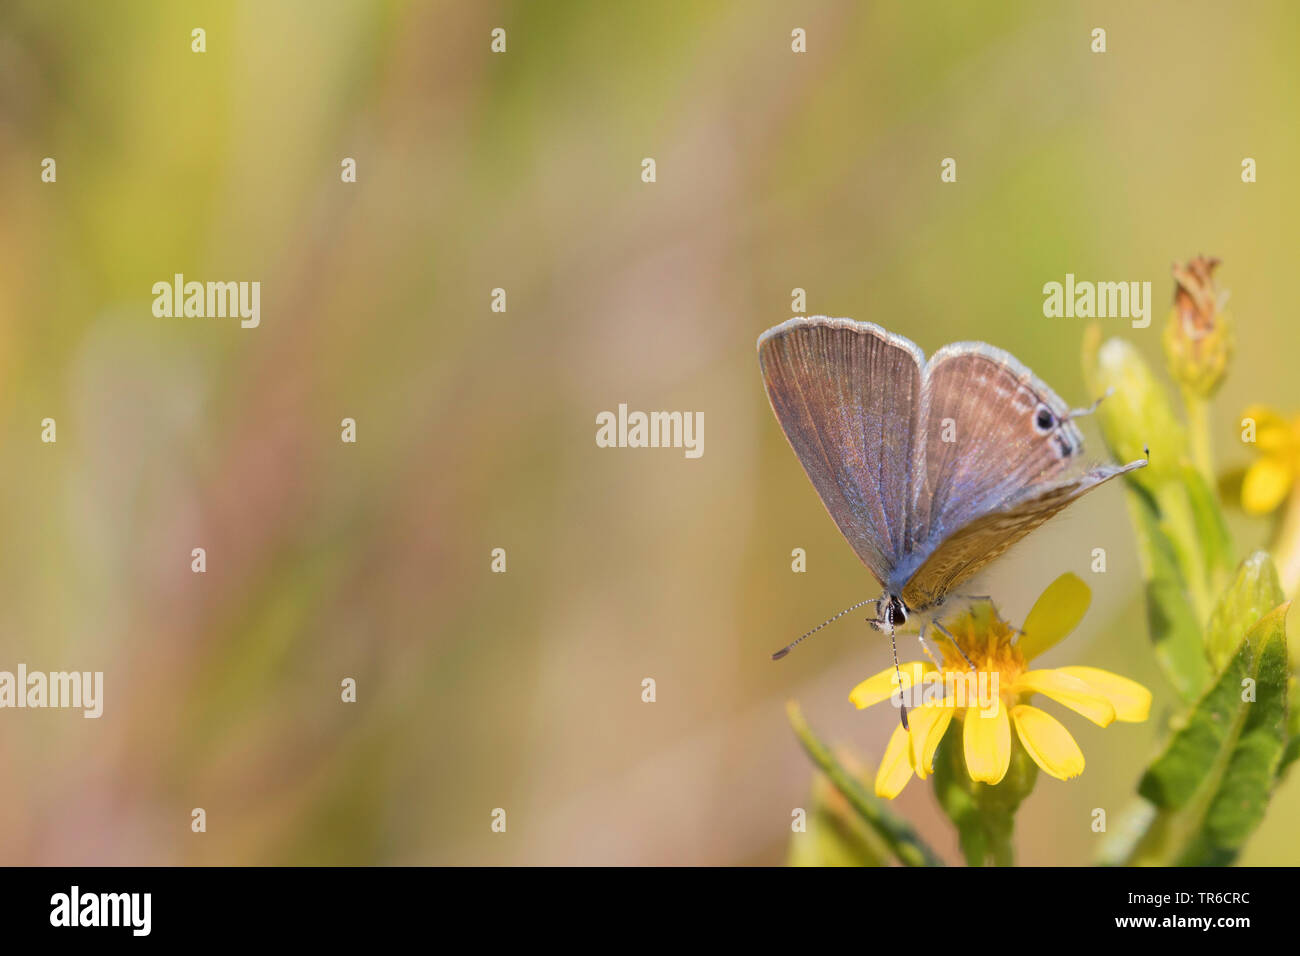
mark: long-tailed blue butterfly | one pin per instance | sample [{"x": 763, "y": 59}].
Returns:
[{"x": 929, "y": 469}]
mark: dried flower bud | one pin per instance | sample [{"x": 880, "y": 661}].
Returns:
[{"x": 1198, "y": 339}]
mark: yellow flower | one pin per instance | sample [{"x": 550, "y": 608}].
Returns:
[
  {"x": 995, "y": 697},
  {"x": 1271, "y": 476}
]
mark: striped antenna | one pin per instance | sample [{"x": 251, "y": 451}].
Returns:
[
  {"x": 898, "y": 674},
  {"x": 795, "y": 643}
]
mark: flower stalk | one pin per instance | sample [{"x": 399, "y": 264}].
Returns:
[{"x": 1286, "y": 545}]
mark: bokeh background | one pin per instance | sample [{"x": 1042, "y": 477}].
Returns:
[{"x": 476, "y": 430}]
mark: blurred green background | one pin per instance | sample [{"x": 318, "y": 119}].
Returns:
[{"x": 476, "y": 429}]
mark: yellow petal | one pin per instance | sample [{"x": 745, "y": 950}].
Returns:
[
  {"x": 1055, "y": 614},
  {"x": 882, "y": 686},
  {"x": 896, "y": 767},
  {"x": 1048, "y": 742},
  {"x": 1132, "y": 701},
  {"x": 1068, "y": 690},
  {"x": 929, "y": 724},
  {"x": 987, "y": 742},
  {"x": 1265, "y": 485},
  {"x": 1273, "y": 433}
]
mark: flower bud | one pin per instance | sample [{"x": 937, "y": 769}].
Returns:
[
  {"x": 1198, "y": 338},
  {"x": 1136, "y": 413}
]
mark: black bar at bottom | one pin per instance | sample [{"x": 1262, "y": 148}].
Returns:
[{"x": 364, "y": 904}]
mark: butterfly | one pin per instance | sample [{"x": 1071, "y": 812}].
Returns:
[{"x": 930, "y": 469}]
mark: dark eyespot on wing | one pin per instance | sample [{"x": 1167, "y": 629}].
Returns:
[{"x": 992, "y": 402}]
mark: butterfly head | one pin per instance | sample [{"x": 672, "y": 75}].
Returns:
[{"x": 891, "y": 612}]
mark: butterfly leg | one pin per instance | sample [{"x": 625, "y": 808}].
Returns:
[
  {"x": 1079, "y": 412},
  {"x": 925, "y": 646},
  {"x": 948, "y": 634}
]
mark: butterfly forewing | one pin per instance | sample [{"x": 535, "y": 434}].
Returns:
[{"x": 848, "y": 395}]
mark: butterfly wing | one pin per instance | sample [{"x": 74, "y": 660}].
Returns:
[
  {"x": 992, "y": 429},
  {"x": 848, "y": 397},
  {"x": 973, "y": 545}
]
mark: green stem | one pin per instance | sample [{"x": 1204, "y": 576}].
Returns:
[
  {"x": 1198, "y": 428},
  {"x": 898, "y": 835},
  {"x": 1002, "y": 851},
  {"x": 984, "y": 815}
]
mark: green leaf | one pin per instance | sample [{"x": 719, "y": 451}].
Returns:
[
  {"x": 1184, "y": 542},
  {"x": 897, "y": 834},
  {"x": 1293, "y": 730},
  {"x": 984, "y": 815},
  {"x": 1174, "y": 627},
  {"x": 1254, "y": 593},
  {"x": 1211, "y": 528},
  {"x": 1202, "y": 562},
  {"x": 1213, "y": 781},
  {"x": 836, "y": 835}
]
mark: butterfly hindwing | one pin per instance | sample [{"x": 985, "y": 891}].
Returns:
[
  {"x": 973, "y": 545},
  {"x": 992, "y": 430}
]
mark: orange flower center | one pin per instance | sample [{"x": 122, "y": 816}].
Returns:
[{"x": 989, "y": 644}]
